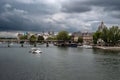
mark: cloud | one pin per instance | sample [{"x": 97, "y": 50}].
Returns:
[
  {"x": 7, "y": 6},
  {"x": 56, "y": 15},
  {"x": 75, "y": 7},
  {"x": 25, "y": 1}
]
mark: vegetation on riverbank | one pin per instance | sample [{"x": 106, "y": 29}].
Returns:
[
  {"x": 108, "y": 36},
  {"x": 63, "y": 36}
]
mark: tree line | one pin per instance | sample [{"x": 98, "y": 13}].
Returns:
[
  {"x": 61, "y": 36},
  {"x": 108, "y": 36}
]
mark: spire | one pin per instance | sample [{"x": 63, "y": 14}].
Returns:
[
  {"x": 101, "y": 27},
  {"x": 102, "y": 23}
]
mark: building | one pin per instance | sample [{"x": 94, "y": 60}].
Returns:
[
  {"x": 75, "y": 36},
  {"x": 101, "y": 27},
  {"x": 86, "y": 36}
]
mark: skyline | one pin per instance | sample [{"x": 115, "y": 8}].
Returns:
[{"x": 57, "y": 15}]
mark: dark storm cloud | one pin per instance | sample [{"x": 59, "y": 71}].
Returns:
[
  {"x": 15, "y": 23},
  {"x": 19, "y": 23},
  {"x": 83, "y": 6},
  {"x": 109, "y": 6},
  {"x": 78, "y": 6},
  {"x": 75, "y": 7},
  {"x": 38, "y": 8},
  {"x": 33, "y": 8},
  {"x": 116, "y": 15},
  {"x": 20, "y": 16},
  {"x": 109, "y": 10},
  {"x": 39, "y": 15}
]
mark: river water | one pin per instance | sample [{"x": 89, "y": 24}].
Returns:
[{"x": 56, "y": 63}]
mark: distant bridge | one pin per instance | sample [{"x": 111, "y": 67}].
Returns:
[{"x": 18, "y": 41}]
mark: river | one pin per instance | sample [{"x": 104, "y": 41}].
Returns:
[{"x": 56, "y": 63}]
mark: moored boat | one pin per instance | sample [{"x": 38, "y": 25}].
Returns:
[{"x": 73, "y": 45}]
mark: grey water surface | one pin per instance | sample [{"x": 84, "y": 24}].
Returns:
[{"x": 56, "y": 63}]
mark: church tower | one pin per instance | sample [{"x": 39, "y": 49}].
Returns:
[{"x": 101, "y": 26}]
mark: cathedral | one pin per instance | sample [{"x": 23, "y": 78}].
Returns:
[{"x": 101, "y": 27}]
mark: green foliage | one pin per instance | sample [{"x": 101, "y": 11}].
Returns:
[
  {"x": 40, "y": 38},
  {"x": 105, "y": 35},
  {"x": 63, "y": 35},
  {"x": 110, "y": 36},
  {"x": 80, "y": 40},
  {"x": 50, "y": 38},
  {"x": 33, "y": 38},
  {"x": 114, "y": 35},
  {"x": 69, "y": 37},
  {"x": 97, "y": 35},
  {"x": 23, "y": 37},
  {"x": 55, "y": 38}
]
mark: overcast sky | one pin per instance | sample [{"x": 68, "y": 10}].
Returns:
[{"x": 56, "y": 15}]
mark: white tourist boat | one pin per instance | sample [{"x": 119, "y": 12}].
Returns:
[{"x": 36, "y": 50}]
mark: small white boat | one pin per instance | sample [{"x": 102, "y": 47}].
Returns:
[{"x": 36, "y": 50}]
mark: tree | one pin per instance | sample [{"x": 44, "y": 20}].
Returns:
[
  {"x": 51, "y": 38},
  {"x": 63, "y": 35},
  {"x": 40, "y": 38},
  {"x": 23, "y": 37},
  {"x": 110, "y": 36},
  {"x": 96, "y": 36},
  {"x": 33, "y": 38},
  {"x": 105, "y": 35},
  {"x": 80, "y": 40},
  {"x": 114, "y": 35},
  {"x": 69, "y": 37}
]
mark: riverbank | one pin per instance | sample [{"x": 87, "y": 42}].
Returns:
[{"x": 107, "y": 48}]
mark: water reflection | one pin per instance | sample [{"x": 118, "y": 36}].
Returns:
[
  {"x": 107, "y": 64},
  {"x": 37, "y": 55},
  {"x": 106, "y": 52},
  {"x": 63, "y": 48}
]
